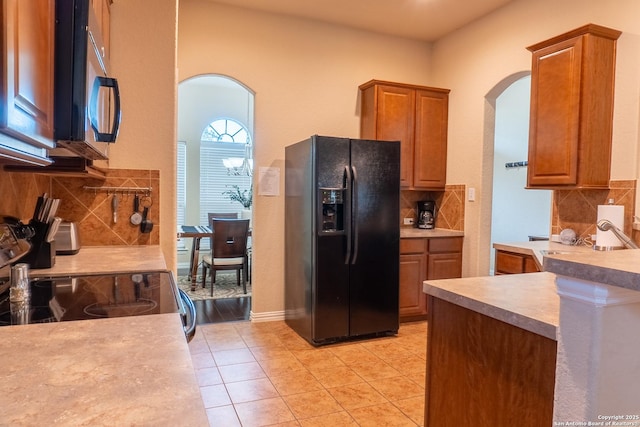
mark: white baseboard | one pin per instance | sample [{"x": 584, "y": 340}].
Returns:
[{"x": 268, "y": 316}]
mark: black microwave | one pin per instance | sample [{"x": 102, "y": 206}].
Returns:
[{"x": 86, "y": 98}]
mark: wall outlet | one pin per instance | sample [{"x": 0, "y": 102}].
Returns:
[
  {"x": 471, "y": 194},
  {"x": 408, "y": 221}
]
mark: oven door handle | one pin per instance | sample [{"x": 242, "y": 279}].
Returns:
[{"x": 190, "y": 329}]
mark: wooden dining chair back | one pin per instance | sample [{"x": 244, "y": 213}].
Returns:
[
  {"x": 228, "y": 250},
  {"x": 222, "y": 215}
]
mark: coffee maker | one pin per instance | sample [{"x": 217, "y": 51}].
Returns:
[{"x": 427, "y": 214}]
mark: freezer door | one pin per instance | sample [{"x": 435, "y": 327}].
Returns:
[
  {"x": 374, "y": 269},
  {"x": 330, "y": 289}
]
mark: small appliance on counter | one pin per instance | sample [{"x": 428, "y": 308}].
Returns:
[
  {"x": 67, "y": 239},
  {"x": 427, "y": 214}
]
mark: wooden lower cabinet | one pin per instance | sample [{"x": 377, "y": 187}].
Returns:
[
  {"x": 413, "y": 270},
  {"x": 514, "y": 263},
  {"x": 484, "y": 372},
  {"x": 422, "y": 259}
]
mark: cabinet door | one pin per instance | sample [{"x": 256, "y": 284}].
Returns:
[
  {"x": 395, "y": 121},
  {"x": 430, "y": 146},
  {"x": 555, "y": 114},
  {"x": 26, "y": 89},
  {"x": 444, "y": 266},
  {"x": 413, "y": 302}
]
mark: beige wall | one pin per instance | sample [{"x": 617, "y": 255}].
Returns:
[
  {"x": 305, "y": 77},
  {"x": 143, "y": 58},
  {"x": 473, "y": 60}
]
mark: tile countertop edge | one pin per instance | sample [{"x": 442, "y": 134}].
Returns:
[
  {"x": 527, "y": 301},
  {"x": 418, "y": 233}
]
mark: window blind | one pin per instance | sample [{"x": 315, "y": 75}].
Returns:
[
  {"x": 214, "y": 179},
  {"x": 181, "y": 187}
]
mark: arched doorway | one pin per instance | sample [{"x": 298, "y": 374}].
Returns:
[
  {"x": 516, "y": 213},
  {"x": 215, "y": 129}
]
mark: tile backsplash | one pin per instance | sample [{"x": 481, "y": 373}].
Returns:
[
  {"x": 578, "y": 209},
  {"x": 19, "y": 193},
  {"x": 91, "y": 209},
  {"x": 449, "y": 204}
]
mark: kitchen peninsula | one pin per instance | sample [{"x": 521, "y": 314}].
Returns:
[
  {"x": 512, "y": 349},
  {"x": 113, "y": 371}
]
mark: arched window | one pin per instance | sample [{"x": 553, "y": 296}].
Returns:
[
  {"x": 225, "y": 165},
  {"x": 226, "y": 130}
]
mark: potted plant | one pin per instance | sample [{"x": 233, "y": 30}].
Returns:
[{"x": 244, "y": 197}]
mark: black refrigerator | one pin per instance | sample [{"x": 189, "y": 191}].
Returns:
[{"x": 342, "y": 237}]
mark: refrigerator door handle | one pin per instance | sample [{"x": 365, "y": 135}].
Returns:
[
  {"x": 354, "y": 214},
  {"x": 347, "y": 219}
]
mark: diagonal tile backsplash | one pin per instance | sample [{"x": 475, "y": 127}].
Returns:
[
  {"x": 449, "y": 205},
  {"x": 91, "y": 209},
  {"x": 578, "y": 209}
]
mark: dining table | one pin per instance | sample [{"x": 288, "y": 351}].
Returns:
[{"x": 197, "y": 233}]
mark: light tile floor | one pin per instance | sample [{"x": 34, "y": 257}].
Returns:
[{"x": 259, "y": 374}]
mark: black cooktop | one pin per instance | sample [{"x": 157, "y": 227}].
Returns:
[{"x": 93, "y": 297}]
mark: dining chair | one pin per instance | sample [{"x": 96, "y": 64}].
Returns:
[
  {"x": 234, "y": 215},
  {"x": 228, "y": 250},
  {"x": 223, "y": 215}
]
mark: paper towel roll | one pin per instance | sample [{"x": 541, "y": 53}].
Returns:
[{"x": 615, "y": 214}]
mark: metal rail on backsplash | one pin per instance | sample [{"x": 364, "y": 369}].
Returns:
[{"x": 121, "y": 190}]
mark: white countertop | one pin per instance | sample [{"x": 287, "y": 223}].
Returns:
[
  {"x": 419, "y": 233},
  {"x": 115, "y": 371},
  {"x": 538, "y": 249},
  {"x": 106, "y": 259},
  {"x": 618, "y": 268},
  {"x": 528, "y": 301}
]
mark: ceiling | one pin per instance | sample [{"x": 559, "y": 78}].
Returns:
[{"x": 425, "y": 20}]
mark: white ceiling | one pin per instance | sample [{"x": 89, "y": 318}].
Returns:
[{"x": 425, "y": 20}]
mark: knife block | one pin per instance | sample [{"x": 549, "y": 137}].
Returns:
[{"x": 42, "y": 253}]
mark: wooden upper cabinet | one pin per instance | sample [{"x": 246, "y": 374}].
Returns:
[
  {"x": 571, "y": 117},
  {"x": 26, "y": 85},
  {"x": 430, "y": 155},
  {"x": 417, "y": 116}
]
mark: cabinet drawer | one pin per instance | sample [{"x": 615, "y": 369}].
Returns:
[
  {"x": 448, "y": 244},
  {"x": 509, "y": 263},
  {"x": 413, "y": 246}
]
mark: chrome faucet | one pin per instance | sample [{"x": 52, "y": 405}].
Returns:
[{"x": 605, "y": 225}]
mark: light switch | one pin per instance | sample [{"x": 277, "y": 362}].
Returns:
[{"x": 472, "y": 194}]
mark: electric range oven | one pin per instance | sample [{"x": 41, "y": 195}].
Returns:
[{"x": 84, "y": 297}]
